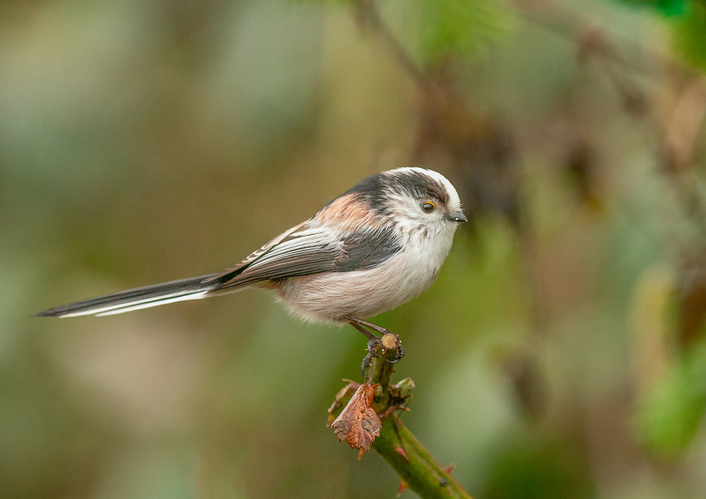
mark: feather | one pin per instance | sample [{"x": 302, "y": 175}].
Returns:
[
  {"x": 131, "y": 299},
  {"x": 314, "y": 250}
]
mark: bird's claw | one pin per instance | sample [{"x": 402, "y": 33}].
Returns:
[
  {"x": 373, "y": 344},
  {"x": 367, "y": 362},
  {"x": 399, "y": 355},
  {"x": 372, "y": 354}
]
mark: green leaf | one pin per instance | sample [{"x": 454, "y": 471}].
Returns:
[
  {"x": 667, "y": 7},
  {"x": 690, "y": 34},
  {"x": 671, "y": 413},
  {"x": 459, "y": 27},
  {"x": 673, "y": 7}
]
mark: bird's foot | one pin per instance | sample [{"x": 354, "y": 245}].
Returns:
[
  {"x": 367, "y": 362},
  {"x": 388, "y": 341},
  {"x": 400, "y": 353},
  {"x": 373, "y": 344}
]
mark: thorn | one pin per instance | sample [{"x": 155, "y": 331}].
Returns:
[
  {"x": 448, "y": 470},
  {"x": 360, "y": 454},
  {"x": 400, "y": 450},
  {"x": 403, "y": 486}
]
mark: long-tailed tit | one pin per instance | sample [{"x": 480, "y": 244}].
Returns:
[{"x": 371, "y": 249}]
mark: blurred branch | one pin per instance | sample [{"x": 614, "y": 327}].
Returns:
[
  {"x": 369, "y": 17},
  {"x": 417, "y": 469},
  {"x": 594, "y": 40}
]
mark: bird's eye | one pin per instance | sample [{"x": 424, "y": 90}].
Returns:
[{"x": 428, "y": 207}]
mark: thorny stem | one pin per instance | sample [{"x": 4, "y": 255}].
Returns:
[{"x": 417, "y": 469}]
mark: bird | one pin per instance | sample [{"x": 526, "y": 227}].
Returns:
[{"x": 371, "y": 249}]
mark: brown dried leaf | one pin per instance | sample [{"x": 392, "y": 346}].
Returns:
[
  {"x": 342, "y": 394},
  {"x": 358, "y": 424}
]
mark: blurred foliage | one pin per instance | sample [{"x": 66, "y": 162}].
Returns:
[
  {"x": 438, "y": 29},
  {"x": 457, "y": 27},
  {"x": 561, "y": 350},
  {"x": 690, "y": 33},
  {"x": 673, "y": 411},
  {"x": 688, "y": 23},
  {"x": 666, "y": 7}
]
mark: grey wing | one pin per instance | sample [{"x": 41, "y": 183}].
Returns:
[{"x": 312, "y": 249}]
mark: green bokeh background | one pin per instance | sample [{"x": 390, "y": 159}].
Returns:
[{"x": 152, "y": 140}]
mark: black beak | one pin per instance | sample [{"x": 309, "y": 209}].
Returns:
[{"x": 458, "y": 217}]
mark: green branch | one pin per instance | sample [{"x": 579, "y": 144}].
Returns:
[{"x": 417, "y": 469}]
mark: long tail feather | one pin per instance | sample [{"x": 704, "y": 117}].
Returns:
[{"x": 135, "y": 299}]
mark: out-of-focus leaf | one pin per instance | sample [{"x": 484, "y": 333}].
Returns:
[
  {"x": 672, "y": 7},
  {"x": 690, "y": 34},
  {"x": 652, "y": 304},
  {"x": 672, "y": 412},
  {"x": 666, "y": 7},
  {"x": 446, "y": 27},
  {"x": 689, "y": 26},
  {"x": 459, "y": 26}
]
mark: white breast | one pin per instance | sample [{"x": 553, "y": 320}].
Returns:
[{"x": 332, "y": 296}]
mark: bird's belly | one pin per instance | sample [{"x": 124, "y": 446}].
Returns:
[{"x": 331, "y": 297}]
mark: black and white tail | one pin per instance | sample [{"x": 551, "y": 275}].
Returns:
[{"x": 135, "y": 299}]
